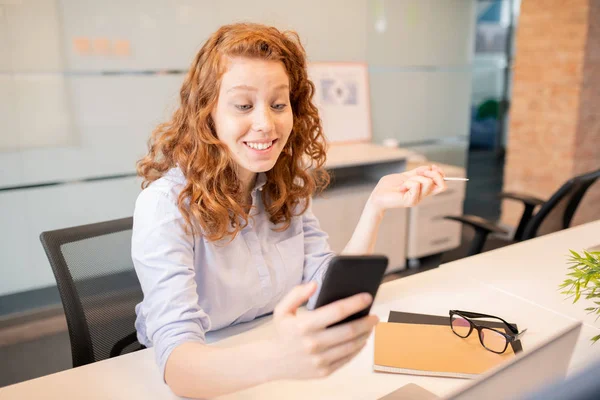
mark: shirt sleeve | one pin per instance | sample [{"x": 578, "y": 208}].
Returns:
[
  {"x": 163, "y": 256},
  {"x": 317, "y": 253}
]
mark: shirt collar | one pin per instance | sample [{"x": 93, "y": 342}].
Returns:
[{"x": 261, "y": 179}]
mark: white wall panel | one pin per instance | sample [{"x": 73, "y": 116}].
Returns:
[
  {"x": 9, "y": 127},
  {"x": 16, "y": 269},
  {"x": 35, "y": 111},
  {"x": 420, "y": 90},
  {"x": 113, "y": 118},
  {"x": 417, "y": 106},
  {"x": 163, "y": 34},
  {"x": 331, "y": 30},
  {"x": 31, "y": 36},
  {"x": 27, "y": 213},
  {"x": 5, "y": 43},
  {"x": 451, "y": 152},
  {"x": 421, "y": 32},
  {"x": 166, "y": 34}
]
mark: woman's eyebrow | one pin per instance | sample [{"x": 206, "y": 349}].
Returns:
[
  {"x": 242, "y": 87},
  {"x": 282, "y": 86},
  {"x": 253, "y": 89}
]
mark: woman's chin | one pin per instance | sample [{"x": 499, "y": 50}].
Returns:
[
  {"x": 262, "y": 168},
  {"x": 258, "y": 166}
]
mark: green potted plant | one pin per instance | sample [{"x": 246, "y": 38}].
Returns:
[{"x": 584, "y": 280}]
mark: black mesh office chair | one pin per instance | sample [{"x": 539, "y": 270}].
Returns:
[
  {"x": 98, "y": 287},
  {"x": 553, "y": 215}
]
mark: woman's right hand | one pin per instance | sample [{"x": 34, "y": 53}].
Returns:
[{"x": 304, "y": 347}]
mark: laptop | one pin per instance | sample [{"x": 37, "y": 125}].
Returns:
[
  {"x": 522, "y": 374},
  {"x": 584, "y": 385},
  {"x": 594, "y": 248}
]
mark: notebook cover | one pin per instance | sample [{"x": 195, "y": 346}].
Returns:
[
  {"x": 432, "y": 350},
  {"x": 427, "y": 319}
]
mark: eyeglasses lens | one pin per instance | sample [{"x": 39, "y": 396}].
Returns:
[
  {"x": 460, "y": 326},
  {"x": 493, "y": 340}
]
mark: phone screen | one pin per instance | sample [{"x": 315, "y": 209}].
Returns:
[{"x": 350, "y": 275}]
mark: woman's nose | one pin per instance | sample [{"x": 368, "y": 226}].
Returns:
[{"x": 263, "y": 120}]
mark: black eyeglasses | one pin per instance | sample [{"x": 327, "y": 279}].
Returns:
[{"x": 492, "y": 339}]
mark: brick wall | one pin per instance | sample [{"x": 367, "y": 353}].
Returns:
[
  {"x": 554, "y": 130},
  {"x": 587, "y": 145}
]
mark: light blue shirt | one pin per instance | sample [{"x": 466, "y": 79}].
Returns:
[{"x": 192, "y": 286}]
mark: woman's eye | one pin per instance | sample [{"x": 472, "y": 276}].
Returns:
[
  {"x": 279, "y": 107},
  {"x": 243, "y": 107}
]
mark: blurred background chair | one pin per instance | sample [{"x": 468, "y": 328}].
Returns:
[
  {"x": 98, "y": 287},
  {"x": 553, "y": 215}
]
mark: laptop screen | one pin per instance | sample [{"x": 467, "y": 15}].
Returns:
[{"x": 526, "y": 372}]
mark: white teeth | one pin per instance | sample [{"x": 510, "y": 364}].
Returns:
[{"x": 259, "y": 146}]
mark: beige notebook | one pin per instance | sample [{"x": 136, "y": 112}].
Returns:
[{"x": 432, "y": 350}]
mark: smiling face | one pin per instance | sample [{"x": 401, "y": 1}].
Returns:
[{"x": 253, "y": 115}]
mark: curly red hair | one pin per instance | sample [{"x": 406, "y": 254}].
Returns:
[{"x": 211, "y": 198}]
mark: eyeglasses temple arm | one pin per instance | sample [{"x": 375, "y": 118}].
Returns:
[
  {"x": 518, "y": 335},
  {"x": 469, "y": 314}
]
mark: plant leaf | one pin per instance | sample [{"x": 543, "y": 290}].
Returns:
[{"x": 574, "y": 253}]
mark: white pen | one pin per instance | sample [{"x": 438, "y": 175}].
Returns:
[{"x": 447, "y": 178}]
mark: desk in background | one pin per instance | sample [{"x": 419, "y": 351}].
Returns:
[{"x": 404, "y": 233}]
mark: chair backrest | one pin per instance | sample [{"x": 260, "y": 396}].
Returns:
[
  {"x": 557, "y": 213},
  {"x": 98, "y": 287}
]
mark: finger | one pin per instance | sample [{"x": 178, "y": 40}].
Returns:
[
  {"x": 444, "y": 186},
  {"x": 294, "y": 299},
  {"x": 340, "y": 362},
  {"x": 438, "y": 179},
  {"x": 427, "y": 184},
  {"x": 440, "y": 189},
  {"x": 403, "y": 188},
  {"x": 334, "y": 312},
  {"x": 343, "y": 350},
  {"x": 438, "y": 169},
  {"x": 344, "y": 333},
  {"x": 413, "y": 193},
  {"x": 417, "y": 171}
]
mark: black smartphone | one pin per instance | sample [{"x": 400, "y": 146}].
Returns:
[{"x": 350, "y": 275}]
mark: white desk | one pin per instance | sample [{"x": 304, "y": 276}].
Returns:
[
  {"x": 362, "y": 154},
  {"x": 534, "y": 269},
  {"x": 463, "y": 284}
]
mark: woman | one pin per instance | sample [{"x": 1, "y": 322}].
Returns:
[{"x": 223, "y": 230}]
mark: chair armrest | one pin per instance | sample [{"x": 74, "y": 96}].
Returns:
[
  {"x": 118, "y": 347},
  {"x": 529, "y": 200},
  {"x": 530, "y": 204},
  {"x": 478, "y": 223},
  {"x": 482, "y": 227}
]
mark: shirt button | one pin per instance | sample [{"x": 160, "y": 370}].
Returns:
[{"x": 260, "y": 189}]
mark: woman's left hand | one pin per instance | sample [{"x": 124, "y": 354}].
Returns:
[{"x": 407, "y": 189}]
